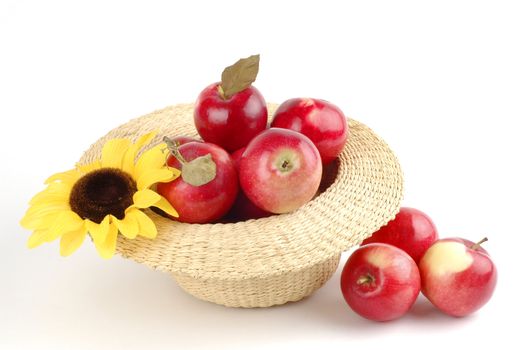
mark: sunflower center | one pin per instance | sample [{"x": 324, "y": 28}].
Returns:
[{"x": 102, "y": 192}]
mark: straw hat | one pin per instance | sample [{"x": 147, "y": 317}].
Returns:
[{"x": 281, "y": 258}]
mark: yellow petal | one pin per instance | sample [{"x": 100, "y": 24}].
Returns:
[
  {"x": 145, "y": 198},
  {"x": 40, "y": 222},
  {"x": 86, "y": 168},
  {"x": 99, "y": 231},
  {"x": 148, "y": 198},
  {"x": 154, "y": 158},
  {"x": 35, "y": 222},
  {"x": 144, "y": 139},
  {"x": 37, "y": 238},
  {"x": 45, "y": 208},
  {"x": 69, "y": 177},
  {"x": 156, "y": 175},
  {"x": 65, "y": 221},
  {"x": 56, "y": 191},
  {"x": 165, "y": 206},
  {"x": 146, "y": 226},
  {"x": 128, "y": 163},
  {"x": 175, "y": 171},
  {"x": 71, "y": 241},
  {"x": 40, "y": 219},
  {"x": 113, "y": 152},
  {"x": 128, "y": 227},
  {"x": 107, "y": 247}
]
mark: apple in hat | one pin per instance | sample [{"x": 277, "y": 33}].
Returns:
[
  {"x": 243, "y": 209},
  {"x": 280, "y": 170},
  {"x": 208, "y": 184},
  {"x": 231, "y": 112},
  {"x": 319, "y": 120}
]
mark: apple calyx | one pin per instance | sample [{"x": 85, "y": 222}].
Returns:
[
  {"x": 196, "y": 172},
  {"x": 285, "y": 166},
  {"x": 478, "y": 244},
  {"x": 286, "y": 162},
  {"x": 365, "y": 279},
  {"x": 238, "y": 77}
]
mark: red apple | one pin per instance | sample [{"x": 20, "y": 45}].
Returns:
[
  {"x": 280, "y": 170},
  {"x": 181, "y": 140},
  {"x": 321, "y": 121},
  {"x": 230, "y": 113},
  {"x": 236, "y": 157},
  {"x": 243, "y": 209},
  {"x": 208, "y": 184},
  {"x": 411, "y": 230},
  {"x": 458, "y": 276},
  {"x": 380, "y": 282}
]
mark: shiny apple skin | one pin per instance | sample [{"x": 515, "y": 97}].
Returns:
[
  {"x": 206, "y": 203},
  {"x": 270, "y": 186},
  {"x": 181, "y": 140},
  {"x": 411, "y": 230},
  {"x": 230, "y": 123},
  {"x": 321, "y": 121},
  {"x": 243, "y": 209},
  {"x": 457, "y": 293},
  {"x": 394, "y": 284},
  {"x": 236, "y": 157}
]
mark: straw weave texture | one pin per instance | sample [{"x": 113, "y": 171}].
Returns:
[{"x": 273, "y": 260}]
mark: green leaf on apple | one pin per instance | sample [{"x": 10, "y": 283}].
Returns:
[
  {"x": 239, "y": 76},
  {"x": 196, "y": 172},
  {"x": 199, "y": 171}
]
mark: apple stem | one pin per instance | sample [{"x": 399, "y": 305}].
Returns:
[
  {"x": 477, "y": 245},
  {"x": 174, "y": 150},
  {"x": 221, "y": 92}
]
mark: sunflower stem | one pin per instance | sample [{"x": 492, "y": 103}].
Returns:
[{"x": 174, "y": 150}]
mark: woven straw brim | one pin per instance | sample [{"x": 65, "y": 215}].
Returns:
[{"x": 276, "y": 259}]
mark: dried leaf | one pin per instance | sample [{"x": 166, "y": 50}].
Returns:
[
  {"x": 199, "y": 171},
  {"x": 239, "y": 76}
]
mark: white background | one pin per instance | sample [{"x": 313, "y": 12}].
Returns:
[{"x": 443, "y": 82}]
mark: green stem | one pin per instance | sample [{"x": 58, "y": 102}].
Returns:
[{"x": 174, "y": 150}]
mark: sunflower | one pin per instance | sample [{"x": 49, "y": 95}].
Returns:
[{"x": 102, "y": 198}]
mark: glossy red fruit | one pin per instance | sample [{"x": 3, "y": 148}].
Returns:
[
  {"x": 280, "y": 170},
  {"x": 230, "y": 123},
  {"x": 411, "y": 230},
  {"x": 380, "y": 282},
  {"x": 236, "y": 157},
  {"x": 204, "y": 203},
  {"x": 181, "y": 140},
  {"x": 321, "y": 121},
  {"x": 243, "y": 209},
  {"x": 458, "y": 276}
]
